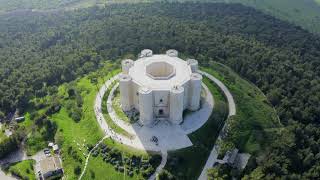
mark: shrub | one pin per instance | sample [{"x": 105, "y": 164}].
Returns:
[
  {"x": 77, "y": 170},
  {"x": 165, "y": 175}
]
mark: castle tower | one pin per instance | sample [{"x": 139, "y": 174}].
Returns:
[
  {"x": 146, "y": 53},
  {"x": 125, "y": 92},
  {"x": 172, "y": 53},
  {"x": 176, "y": 104},
  {"x": 195, "y": 91},
  {"x": 193, "y": 65},
  {"x": 126, "y": 65},
  {"x": 146, "y": 105}
]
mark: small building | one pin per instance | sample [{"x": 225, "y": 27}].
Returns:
[{"x": 51, "y": 167}]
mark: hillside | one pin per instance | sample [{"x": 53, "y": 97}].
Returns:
[
  {"x": 40, "y": 51},
  {"x": 304, "y": 13}
]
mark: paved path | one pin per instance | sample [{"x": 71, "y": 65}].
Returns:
[
  {"x": 87, "y": 159},
  {"x": 17, "y": 156},
  {"x": 4, "y": 176},
  {"x": 232, "y": 111},
  {"x": 164, "y": 158}
]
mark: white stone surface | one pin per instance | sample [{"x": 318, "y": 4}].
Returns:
[
  {"x": 176, "y": 104},
  {"x": 138, "y": 72}
]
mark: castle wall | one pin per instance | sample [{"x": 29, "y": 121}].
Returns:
[
  {"x": 135, "y": 95},
  {"x": 146, "y": 106},
  {"x": 176, "y": 104},
  {"x": 161, "y": 103},
  {"x": 186, "y": 95}
]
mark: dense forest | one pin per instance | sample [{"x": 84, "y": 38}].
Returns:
[{"x": 41, "y": 50}]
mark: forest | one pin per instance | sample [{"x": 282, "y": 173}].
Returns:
[{"x": 42, "y": 50}]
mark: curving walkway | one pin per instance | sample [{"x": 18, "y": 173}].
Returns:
[
  {"x": 232, "y": 111},
  {"x": 164, "y": 158},
  {"x": 87, "y": 159}
]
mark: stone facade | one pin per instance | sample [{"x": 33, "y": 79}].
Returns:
[{"x": 160, "y": 86}]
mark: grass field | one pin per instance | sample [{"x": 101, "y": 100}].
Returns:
[
  {"x": 86, "y": 131},
  {"x": 117, "y": 108},
  {"x": 23, "y": 169},
  {"x": 256, "y": 117},
  {"x": 106, "y": 168},
  {"x": 108, "y": 119},
  {"x": 75, "y": 137}
]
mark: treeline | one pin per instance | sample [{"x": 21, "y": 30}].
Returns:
[{"x": 39, "y": 51}]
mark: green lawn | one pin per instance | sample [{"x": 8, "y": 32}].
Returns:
[
  {"x": 187, "y": 163},
  {"x": 108, "y": 119},
  {"x": 117, "y": 108},
  {"x": 108, "y": 169},
  {"x": 23, "y": 169},
  {"x": 86, "y": 131},
  {"x": 257, "y": 118},
  {"x": 75, "y": 137}
]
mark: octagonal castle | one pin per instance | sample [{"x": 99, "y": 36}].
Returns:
[{"x": 160, "y": 86}]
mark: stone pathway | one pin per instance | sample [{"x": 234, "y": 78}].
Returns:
[
  {"x": 164, "y": 158},
  {"x": 232, "y": 111},
  {"x": 89, "y": 154}
]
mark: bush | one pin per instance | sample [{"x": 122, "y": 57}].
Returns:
[
  {"x": 92, "y": 174},
  {"x": 76, "y": 114},
  {"x": 77, "y": 170},
  {"x": 165, "y": 175}
]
